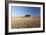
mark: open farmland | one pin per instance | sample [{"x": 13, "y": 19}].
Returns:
[{"x": 25, "y": 22}]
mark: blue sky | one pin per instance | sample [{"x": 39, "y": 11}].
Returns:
[{"x": 22, "y": 11}]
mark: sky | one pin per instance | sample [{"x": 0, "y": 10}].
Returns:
[{"x": 22, "y": 11}]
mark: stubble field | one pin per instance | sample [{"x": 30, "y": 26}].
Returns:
[{"x": 25, "y": 22}]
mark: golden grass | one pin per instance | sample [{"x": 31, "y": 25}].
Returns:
[{"x": 25, "y": 22}]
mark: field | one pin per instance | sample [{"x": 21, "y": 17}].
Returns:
[{"x": 25, "y": 22}]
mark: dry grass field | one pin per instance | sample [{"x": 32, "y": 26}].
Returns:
[{"x": 25, "y": 22}]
